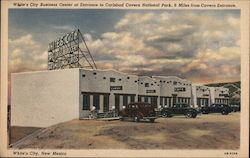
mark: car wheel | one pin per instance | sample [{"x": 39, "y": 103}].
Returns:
[
  {"x": 189, "y": 115},
  {"x": 165, "y": 114},
  {"x": 224, "y": 113},
  {"x": 194, "y": 115},
  {"x": 204, "y": 112}
]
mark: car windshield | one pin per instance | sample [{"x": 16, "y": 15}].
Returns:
[
  {"x": 184, "y": 105},
  {"x": 176, "y": 106},
  {"x": 139, "y": 105}
]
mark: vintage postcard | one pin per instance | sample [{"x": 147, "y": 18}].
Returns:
[{"x": 124, "y": 78}]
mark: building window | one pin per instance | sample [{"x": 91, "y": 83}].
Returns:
[
  {"x": 94, "y": 73},
  {"x": 146, "y": 84},
  {"x": 128, "y": 78},
  {"x": 146, "y": 99},
  {"x": 83, "y": 75},
  {"x": 135, "y": 81},
  {"x": 112, "y": 79},
  {"x": 120, "y": 79},
  {"x": 104, "y": 78},
  {"x": 86, "y": 102},
  {"x": 174, "y": 83},
  {"x": 96, "y": 101},
  {"x": 152, "y": 84}
]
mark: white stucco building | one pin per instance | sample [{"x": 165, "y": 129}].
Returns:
[
  {"x": 104, "y": 89},
  {"x": 148, "y": 90},
  {"x": 219, "y": 95},
  {"x": 205, "y": 96},
  {"x": 44, "y": 98},
  {"x": 201, "y": 95},
  {"x": 174, "y": 90}
]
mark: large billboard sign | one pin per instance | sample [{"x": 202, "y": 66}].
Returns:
[
  {"x": 66, "y": 39},
  {"x": 65, "y": 52}
]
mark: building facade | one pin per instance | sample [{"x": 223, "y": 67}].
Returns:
[
  {"x": 174, "y": 90},
  {"x": 201, "y": 95},
  {"x": 148, "y": 90},
  {"x": 44, "y": 98},
  {"x": 219, "y": 95},
  {"x": 105, "y": 90}
]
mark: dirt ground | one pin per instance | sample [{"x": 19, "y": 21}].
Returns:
[
  {"x": 213, "y": 131},
  {"x": 19, "y": 132}
]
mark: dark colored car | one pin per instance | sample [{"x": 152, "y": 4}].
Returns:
[
  {"x": 179, "y": 109},
  {"x": 235, "y": 108},
  {"x": 216, "y": 108},
  {"x": 138, "y": 111}
]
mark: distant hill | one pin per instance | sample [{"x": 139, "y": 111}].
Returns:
[
  {"x": 236, "y": 84},
  {"x": 234, "y": 90}
]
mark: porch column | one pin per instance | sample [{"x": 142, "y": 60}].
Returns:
[{"x": 101, "y": 98}]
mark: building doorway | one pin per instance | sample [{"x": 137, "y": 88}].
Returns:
[{"x": 117, "y": 103}]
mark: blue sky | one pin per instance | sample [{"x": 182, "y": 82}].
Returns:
[{"x": 202, "y": 46}]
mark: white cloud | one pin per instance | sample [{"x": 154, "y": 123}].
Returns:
[
  {"x": 25, "y": 54},
  {"x": 157, "y": 42},
  {"x": 134, "y": 18},
  {"x": 185, "y": 43}
]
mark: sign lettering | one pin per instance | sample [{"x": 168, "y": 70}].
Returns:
[
  {"x": 223, "y": 95},
  {"x": 179, "y": 89},
  {"x": 115, "y": 88},
  {"x": 64, "y": 51},
  {"x": 150, "y": 91}
]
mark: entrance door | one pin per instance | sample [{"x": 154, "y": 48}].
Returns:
[
  {"x": 106, "y": 103},
  {"x": 206, "y": 101},
  {"x": 169, "y": 102},
  {"x": 96, "y": 101},
  {"x": 117, "y": 102},
  {"x": 132, "y": 98},
  {"x": 174, "y": 100},
  {"x": 125, "y": 100},
  {"x": 86, "y": 102},
  {"x": 154, "y": 101}
]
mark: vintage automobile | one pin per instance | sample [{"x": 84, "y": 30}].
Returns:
[
  {"x": 235, "y": 108},
  {"x": 216, "y": 108},
  {"x": 179, "y": 109},
  {"x": 138, "y": 111}
]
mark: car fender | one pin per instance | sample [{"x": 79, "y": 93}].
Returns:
[
  {"x": 166, "y": 111},
  {"x": 192, "y": 111}
]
